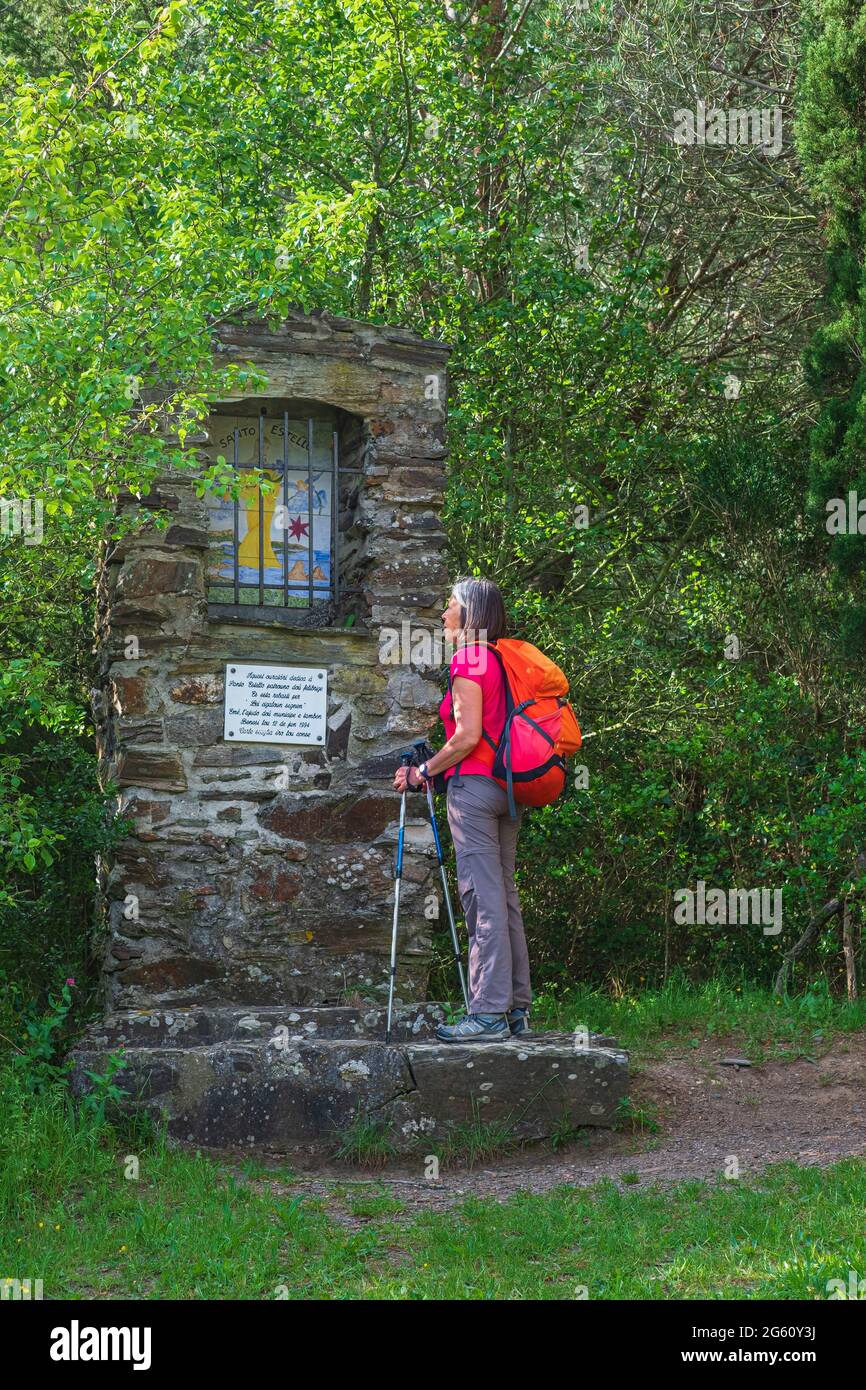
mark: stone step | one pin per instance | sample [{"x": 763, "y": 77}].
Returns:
[
  {"x": 197, "y": 1025},
  {"x": 299, "y": 1093},
  {"x": 201, "y": 1025}
]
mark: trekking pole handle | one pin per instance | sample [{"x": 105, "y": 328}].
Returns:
[
  {"x": 411, "y": 759},
  {"x": 422, "y": 753},
  {"x": 406, "y": 762}
]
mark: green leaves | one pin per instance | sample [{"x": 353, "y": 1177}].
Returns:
[
  {"x": 24, "y": 844},
  {"x": 161, "y": 171},
  {"x": 831, "y": 142}
]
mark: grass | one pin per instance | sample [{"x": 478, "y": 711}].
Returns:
[
  {"x": 193, "y": 1228},
  {"x": 188, "y": 1226},
  {"x": 365, "y": 1141},
  {"x": 635, "y": 1118},
  {"x": 564, "y": 1133},
  {"x": 369, "y": 1205},
  {"x": 474, "y": 1141},
  {"x": 681, "y": 1013}
]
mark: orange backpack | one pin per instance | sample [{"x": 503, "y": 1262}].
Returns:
[{"x": 540, "y": 729}]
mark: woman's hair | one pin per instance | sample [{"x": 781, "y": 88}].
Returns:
[{"x": 482, "y": 612}]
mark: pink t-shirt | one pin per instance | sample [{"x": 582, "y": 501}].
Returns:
[{"x": 476, "y": 663}]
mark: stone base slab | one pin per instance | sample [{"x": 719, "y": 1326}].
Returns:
[{"x": 295, "y": 1080}]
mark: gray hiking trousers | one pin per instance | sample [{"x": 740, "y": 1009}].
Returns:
[{"x": 485, "y": 841}]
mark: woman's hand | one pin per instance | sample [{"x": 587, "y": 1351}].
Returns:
[{"x": 405, "y": 778}]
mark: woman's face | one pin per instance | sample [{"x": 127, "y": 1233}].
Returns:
[{"x": 451, "y": 619}]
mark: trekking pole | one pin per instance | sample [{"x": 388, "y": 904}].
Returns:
[
  {"x": 419, "y": 744},
  {"x": 454, "y": 939},
  {"x": 406, "y": 759}
]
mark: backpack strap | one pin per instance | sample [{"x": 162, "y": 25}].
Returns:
[
  {"x": 512, "y": 809},
  {"x": 451, "y": 698},
  {"x": 484, "y": 734},
  {"x": 505, "y": 741}
]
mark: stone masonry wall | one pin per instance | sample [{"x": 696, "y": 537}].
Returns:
[{"x": 263, "y": 874}]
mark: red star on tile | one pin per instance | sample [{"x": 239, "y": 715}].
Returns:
[{"x": 298, "y": 528}]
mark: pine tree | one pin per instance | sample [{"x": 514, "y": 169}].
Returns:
[{"x": 831, "y": 142}]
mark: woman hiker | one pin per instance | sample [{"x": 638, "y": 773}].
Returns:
[{"x": 484, "y": 835}]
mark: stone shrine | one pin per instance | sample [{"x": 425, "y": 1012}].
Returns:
[{"x": 258, "y": 682}]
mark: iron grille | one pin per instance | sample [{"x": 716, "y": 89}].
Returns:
[{"x": 263, "y": 554}]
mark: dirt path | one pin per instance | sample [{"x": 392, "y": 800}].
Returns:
[{"x": 810, "y": 1112}]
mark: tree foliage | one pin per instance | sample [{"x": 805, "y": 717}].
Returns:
[
  {"x": 502, "y": 176},
  {"x": 832, "y": 144}
]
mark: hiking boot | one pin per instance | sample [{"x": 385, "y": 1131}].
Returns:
[
  {"x": 518, "y": 1021},
  {"x": 475, "y": 1028}
]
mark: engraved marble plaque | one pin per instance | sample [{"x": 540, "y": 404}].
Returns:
[{"x": 275, "y": 704}]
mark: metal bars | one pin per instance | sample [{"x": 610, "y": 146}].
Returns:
[{"x": 250, "y": 572}]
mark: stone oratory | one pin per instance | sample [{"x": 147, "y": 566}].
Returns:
[{"x": 255, "y": 693}]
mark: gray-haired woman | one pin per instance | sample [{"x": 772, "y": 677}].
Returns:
[{"x": 485, "y": 837}]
